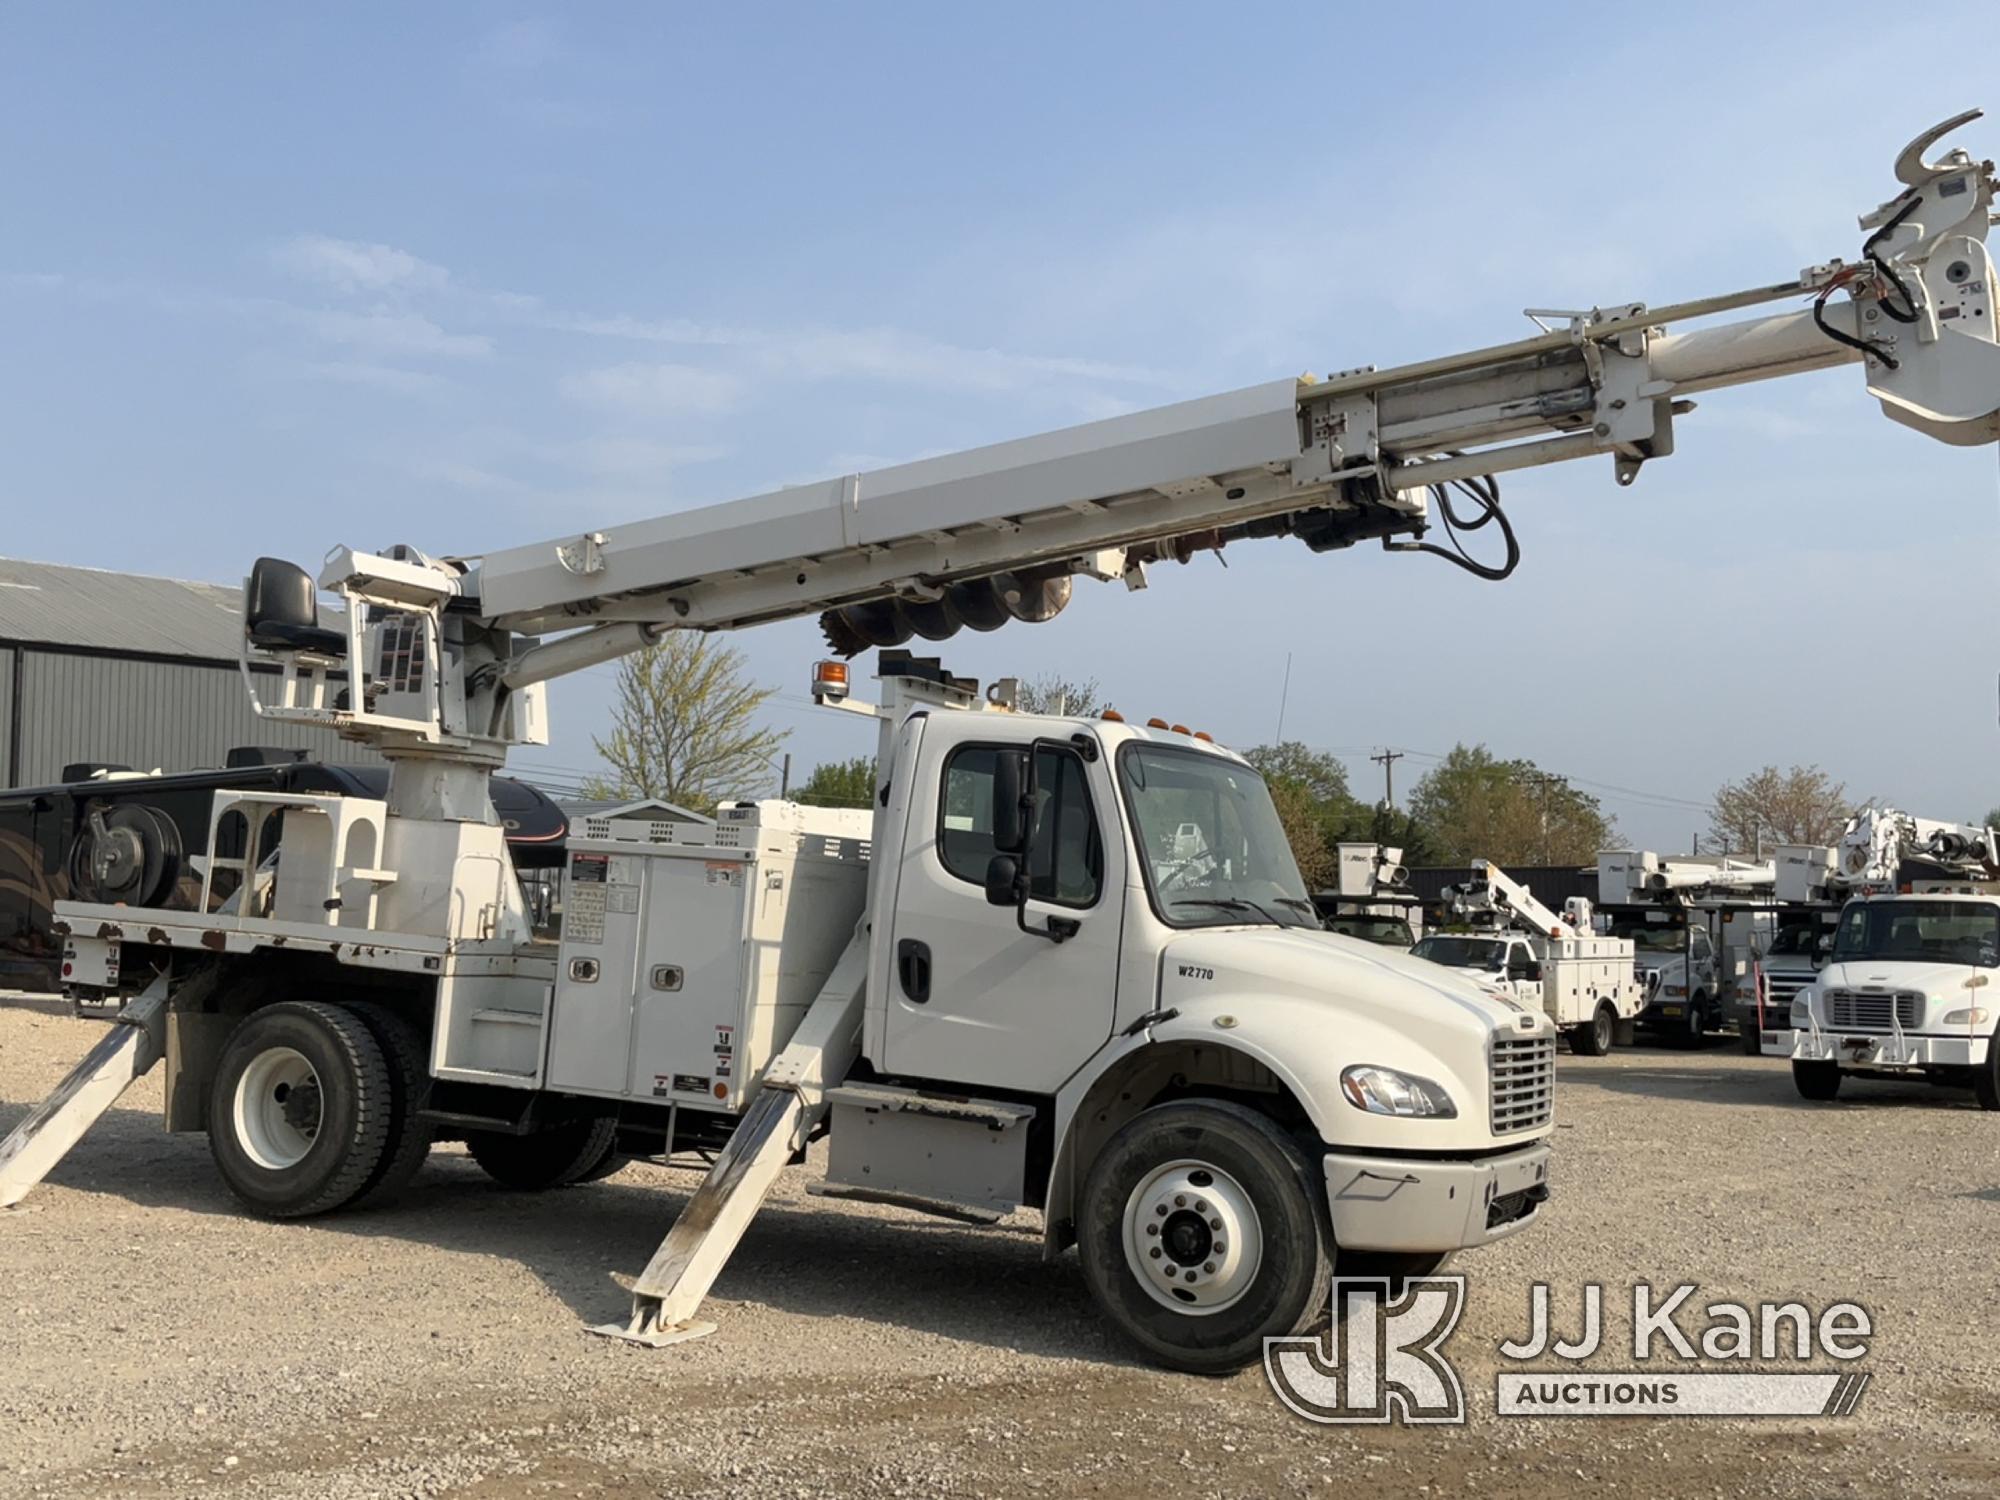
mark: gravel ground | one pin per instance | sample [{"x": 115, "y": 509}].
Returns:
[{"x": 154, "y": 1342}]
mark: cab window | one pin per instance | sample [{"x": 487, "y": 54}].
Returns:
[{"x": 1067, "y": 858}]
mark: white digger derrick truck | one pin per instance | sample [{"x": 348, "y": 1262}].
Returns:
[
  {"x": 1903, "y": 988},
  {"x": 1041, "y": 992},
  {"x": 1371, "y": 897},
  {"x": 1583, "y": 982}
]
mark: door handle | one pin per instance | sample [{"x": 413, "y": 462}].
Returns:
[{"x": 913, "y": 969}]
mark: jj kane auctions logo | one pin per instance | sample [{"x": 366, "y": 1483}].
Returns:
[{"x": 1381, "y": 1358}]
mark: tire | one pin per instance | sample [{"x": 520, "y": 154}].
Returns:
[
  {"x": 409, "y": 1076},
  {"x": 1752, "y": 1036},
  {"x": 301, "y": 1109},
  {"x": 1271, "y": 1275},
  {"x": 1594, "y": 1037},
  {"x": 550, "y": 1158},
  {"x": 1694, "y": 1023},
  {"x": 613, "y": 1162},
  {"x": 1986, "y": 1077},
  {"x": 1818, "y": 1081}
]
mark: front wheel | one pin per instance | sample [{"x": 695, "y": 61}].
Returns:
[
  {"x": 1203, "y": 1232},
  {"x": 1694, "y": 1023},
  {"x": 1819, "y": 1081},
  {"x": 1594, "y": 1037},
  {"x": 1986, "y": 1077}
]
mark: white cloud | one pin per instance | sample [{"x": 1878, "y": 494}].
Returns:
[
  {"x": 359, "y": 372},
  {"x": 394, "y": 333},
  {"x": 663, "y": 389},
  {"x": 355, "y": 266}
]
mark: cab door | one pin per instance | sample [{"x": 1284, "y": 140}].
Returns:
[{"x": 971, "y": 997}]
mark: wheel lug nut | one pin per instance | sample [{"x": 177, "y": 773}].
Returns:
[
  {"x": 1200, "y": 1207},
  {"x": 1180, "y": 1200},
  {"x": 1190, "y": 1276},
  {"x": 1152, "y": 1229},
  {"x": 1161, "y": 1210},
  {"x": 1216, "y": 1225},
  {"x": 1154, "y": 1252},
  {"x": 1209, "y": 1269}
]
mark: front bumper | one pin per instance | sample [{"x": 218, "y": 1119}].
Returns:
[
  {"x": 1780, "y": 1042},
  {"x": 1418, "y": 1204},
  {"x": 1906, "y": 1051}
]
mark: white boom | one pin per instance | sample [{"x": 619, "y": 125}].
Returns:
[
  {"x": 973, "y": 539},
  {"x": 1495, "y": 895}
]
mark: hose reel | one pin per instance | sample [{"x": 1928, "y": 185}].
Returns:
[{"x": 129, "y": 855}]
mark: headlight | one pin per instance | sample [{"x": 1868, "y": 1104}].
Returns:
[
  {"x": 1675, "y": 989},
  {"x": 1801, "y": 1013},
  {"x": 1971, "y": 1016},
  {"x": 1384, "y": 1091}
]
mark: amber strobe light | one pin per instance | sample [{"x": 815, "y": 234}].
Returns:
[{"x": 829, "y": 681}]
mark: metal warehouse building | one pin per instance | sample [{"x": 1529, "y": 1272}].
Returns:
[{"x": 98, "y": 666}]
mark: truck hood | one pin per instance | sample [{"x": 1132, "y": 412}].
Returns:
[
  {"x": 1938, "y": 982},
  {"x": 1309, "y": 1003}
]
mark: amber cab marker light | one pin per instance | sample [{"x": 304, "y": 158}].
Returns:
[
  {"x": 1156, "y": 723},
  {"x": 1112, "y": 715},
  {"x": 1204, "y": 736},
  {"x": 1179, "y": 729}
]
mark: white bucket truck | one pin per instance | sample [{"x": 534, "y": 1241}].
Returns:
[{"x": 1557, "y": 964}]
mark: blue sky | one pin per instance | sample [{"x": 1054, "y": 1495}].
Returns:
[{"x": 276, "y": 278}]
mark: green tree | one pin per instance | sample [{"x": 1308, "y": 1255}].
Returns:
[
  {"x": 839, "y": 783},
  {"x": 1801, "y": 806},
  {"x": 684, "y": 726},
  {"x": 1052, "y": 693},
  {"x": 1473, "y": 805},
  {"x": 1315, "y": 808}
]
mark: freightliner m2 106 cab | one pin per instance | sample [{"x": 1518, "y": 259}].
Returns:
[{"x": 1907, "y": 992}]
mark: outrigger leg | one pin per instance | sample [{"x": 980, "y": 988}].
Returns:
[
  {"x": 668, "y": 1293},
  {"x": 124, "y": 1055}
]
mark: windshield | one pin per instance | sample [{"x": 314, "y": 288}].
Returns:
[
  {"x": 1925, "y": 932},
  {"x": 1652, "y": 937},
  {"x": 1463, "y": 952},
  {"x": 1801, "y": 940},
  {"x": 1210, "y": 842},
  {"x": 1392, "y": 932}
]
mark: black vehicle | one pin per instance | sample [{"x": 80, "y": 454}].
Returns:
[{"x": 119, "y": 838}]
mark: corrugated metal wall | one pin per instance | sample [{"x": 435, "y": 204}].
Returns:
[
  {"x": 8, "y": 656},
  {"x": 146, "y": 714}
]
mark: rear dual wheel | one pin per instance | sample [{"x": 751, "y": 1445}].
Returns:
[
  {"x": 1595, "y": 1036},
  {"x": 314, "y": 1107}
]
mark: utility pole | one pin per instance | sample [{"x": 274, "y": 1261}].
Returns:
[
  {"x": 1387, "y": 761},
  {"x": 785, "y": 777},
  {"x": 1284, "y": 694}
]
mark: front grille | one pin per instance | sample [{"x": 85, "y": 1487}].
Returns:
[
  {"x": 1781, "y": 987},
  {"x": 1524, "y": 1083},
  {"x": 1863, "y": 1010}
]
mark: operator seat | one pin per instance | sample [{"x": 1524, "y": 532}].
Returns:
[{"x": 281, "y": 611}]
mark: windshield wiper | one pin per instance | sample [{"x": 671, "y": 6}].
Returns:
[
  {"x": 1229, "y": 903},
  {"x": 1305, "y": 906}
]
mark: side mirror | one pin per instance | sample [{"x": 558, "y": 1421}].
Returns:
[
  {"x": 1003, "y": 881},
  {"x": 1532, "y": 972},
  {"x": 1819, "y": 958},
  {"x": 1010, "y": 821}
]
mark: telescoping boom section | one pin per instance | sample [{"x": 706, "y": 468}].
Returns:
[{"x": 1059, "y": 963}]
